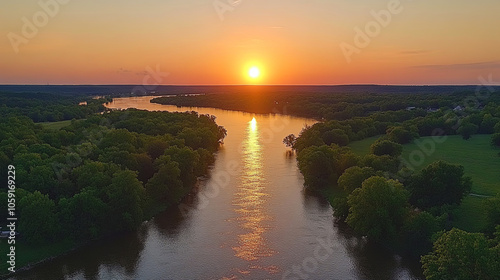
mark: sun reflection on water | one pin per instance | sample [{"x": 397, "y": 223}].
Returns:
[{"x": 250, "y": 201}]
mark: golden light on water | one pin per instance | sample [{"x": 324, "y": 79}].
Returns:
[
  {"x": 250, "y": 201},
  {"x": 253, "y": 124}
]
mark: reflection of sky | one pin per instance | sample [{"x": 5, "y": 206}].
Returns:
[{"x": 250, "y": 201}]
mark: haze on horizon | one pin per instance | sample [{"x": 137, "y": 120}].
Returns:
[{"x": 291, "y": 42}]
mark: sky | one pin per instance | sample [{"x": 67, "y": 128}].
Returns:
[{"x": 216, "y": 42}]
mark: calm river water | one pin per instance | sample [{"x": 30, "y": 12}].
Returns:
[{"x": 249, "y": 219}]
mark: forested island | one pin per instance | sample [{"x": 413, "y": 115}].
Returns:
[
  {"x": 83, "y": 172},
  {"x": 403, "y": 202}
]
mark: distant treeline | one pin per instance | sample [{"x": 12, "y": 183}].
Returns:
[
  {"x": 42, "y": 107},
  {"x": 122, "y": 90},
  {"x": 390, "y": 107}
]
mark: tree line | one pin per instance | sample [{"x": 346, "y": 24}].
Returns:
[
  {"x": 104, "y": 174},
  {"x": 411, "y": 212}
]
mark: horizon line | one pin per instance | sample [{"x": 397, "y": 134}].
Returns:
[{"x": 215, "y": 85}]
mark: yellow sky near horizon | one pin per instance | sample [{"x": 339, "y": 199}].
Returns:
[{"x": 292, "y": 42}]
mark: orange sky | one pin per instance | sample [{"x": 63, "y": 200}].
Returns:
[{"x": 291, "y": 41}]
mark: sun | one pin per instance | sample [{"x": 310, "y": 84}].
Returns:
[{"x": 254, "y": 72}]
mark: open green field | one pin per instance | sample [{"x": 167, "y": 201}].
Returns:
[
  {"x": 476, "y": 155},
  {"x": 56, "y": 125},
  {"x": 362, "y": 147}
]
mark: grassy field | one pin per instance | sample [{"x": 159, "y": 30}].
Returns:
[
  {"x": 476, "y": 155},
  {"x": 26, "y": 254},
  {"x": 56, "y": 125},
  {"x": 362, "y": 147}
]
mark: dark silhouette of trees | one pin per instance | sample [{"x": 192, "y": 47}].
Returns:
[
  {"x": 386, "y": 147},
  {"x": 438, "y": 184}
]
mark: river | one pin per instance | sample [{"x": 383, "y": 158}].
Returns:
[{"x": 249, "y": 219}]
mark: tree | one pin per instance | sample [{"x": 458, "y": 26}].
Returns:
[
  {"x": 495, "y": 139},
  {"x": 353, "y": 178},
  {"x": 418, "y": 230},
  {"x": 144, "y": 165},
  {"x": 41, "y": 178},
  {"x": 488, "y": 124},
  {"x": 467, "y": 130},
  {"x": 386, "y": 147},
  {"x": 125, "y": 197},
  {"x": 399, "y": 135},
  {"x": 188, "y": 161},
  {"x": 165, "y": 187},
  {"x": 308, "y": 137},
  {"x": 335, "y": 136},
  {"x": 38, "y": 221},
  {"x": 318, "y": 166},
  {"x": 496, "y": 129},
  {"x": 459, "y": 255},
  {"x": 290, "y": 140},
  {"x": 381, "y": 163},
  {"x": 378, "y": 209},
  {"x": 83, "y": 215},
  {"x": 492, "y": 207},
  {"x": 438, "y": 184}
]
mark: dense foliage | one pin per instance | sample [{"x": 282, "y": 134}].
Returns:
[
  {"x": 383, "y": 197},
  {"x": 49, "y": 107},
  {"x": 105, "y": 174},
  {"x": 378, "y": 209},
  {"x": 460, "y": 255}
]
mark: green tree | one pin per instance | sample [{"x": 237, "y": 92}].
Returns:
[
  {"x": 399, "y": 135},
  {"x": 467, "y": 130},
  {"x": 165, "y": 187},
  {"x": 38, "y": 221},
  {"x": 318, "y": 165},
  {"x": 353, "y": 177},
  {"x": 459, "y": 255},
  {"x": 496, "y": 129},
  {"x": 386, "y": 147},
  {"x": 188, "y": 160},
  {"x": 381, "y": 163},
  {"x": 495, "y": 139},
  {"x": 335, "y": 136},
  {"x": 126, "y": 197},
  {"x": 83, "y": 215},
  {"x": 492, "y": 207},
  {"x": 41, "y": 178},
  {"x": 156, "y": 148},
  {"x": 488, "y": 124},
  {"x": 417, "y": 233},
  {"x": 378, "y": 209},
  {"x": 144, "y": 165},
  {"x": 438, "y": 184},
  {"x": 308, "y": 137}
]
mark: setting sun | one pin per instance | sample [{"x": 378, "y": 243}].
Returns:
[{"x": 254, "y": 72}]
